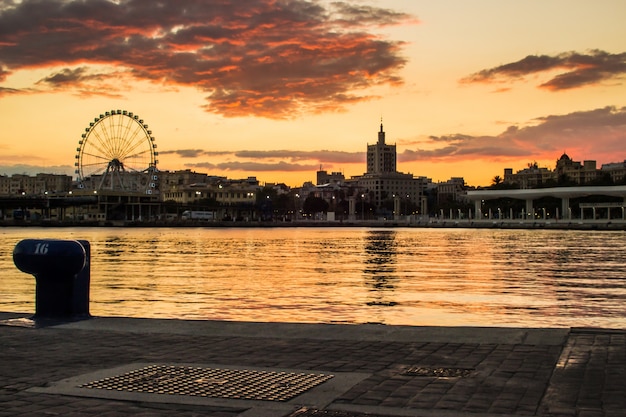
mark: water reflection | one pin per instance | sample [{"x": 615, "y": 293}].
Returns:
[
  {"x": 379, "y": 270},
  {"x": 395, "y": 276},
  {"x": 113, "y": 248}
]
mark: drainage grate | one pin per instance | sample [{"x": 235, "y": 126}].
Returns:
[
  {"x": 438, "y": 372},
  {"x": 211, "y": 382}
]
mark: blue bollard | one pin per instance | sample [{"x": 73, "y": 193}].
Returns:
[{"x": 62, "y": 274}]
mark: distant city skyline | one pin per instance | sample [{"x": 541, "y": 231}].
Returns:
[{"x": 276, "y": 90}]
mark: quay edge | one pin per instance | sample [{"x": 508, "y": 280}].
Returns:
[{"x": 605, "y": 225}]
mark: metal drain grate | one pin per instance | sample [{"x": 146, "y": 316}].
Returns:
[
  {"x": 438, "y": 372},
  {"x": 211, "y": 382}
]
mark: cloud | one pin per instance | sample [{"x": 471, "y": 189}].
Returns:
[
  {"x": 598, "y": 133},
  {"x": 7, "y": 91},
  {"x": 191, "y": 153},
  {"x": 3, "y": 74},
  {"x": 352, "y": 15},
  {"x": 268, "y": 58},
  {"x": 291, "y": 155},
  {"x": 36, "y": 169},
  {"x": 270, "y": 160},
  {"x": 575, "y": 69},
  {"x": 256, "y": 166},
  {"x": 84, "y": 82},
  {"x": 65, "y": 76},
  {"x": 325, "y": 156}
]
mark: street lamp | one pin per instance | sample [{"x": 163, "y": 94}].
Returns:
[
  {"x": 408, "y": 206},
  {"x": 362, "y": 206}
]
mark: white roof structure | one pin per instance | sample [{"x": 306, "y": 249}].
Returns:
[{"x": 558, "y": 192}]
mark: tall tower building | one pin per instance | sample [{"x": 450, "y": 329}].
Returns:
[
  {"x": 381, "y": 158},
  {"x": 383, "y": 184}
]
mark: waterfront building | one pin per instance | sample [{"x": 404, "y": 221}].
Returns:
[
  {"x": 616, "y": 170},
  {"x": 323, "y": 177},
  {"x": 334, "y": 193},
  {"x": 453, "y": 190},
  {"x": 382, "y": 183},
  {"x": 171, "y": 180},
  {"x": 580, "y": 173},
  {"x": 279, "y": 188},
  {"x": 381, "y": 156},
  {"x": 333, "y": 187},
  {"x": 40, "y": 184},
  {"x": 532, "y": 176},
  {"x": 566, "y": 170},
  {"x": 224, "y": 192}
]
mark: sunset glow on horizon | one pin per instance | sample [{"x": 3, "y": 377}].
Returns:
[{"x": 278, "y": 89}]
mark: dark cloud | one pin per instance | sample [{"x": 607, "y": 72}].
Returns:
[
  {"x": 3, "y": 74},
  {"x": 600, "y": 132},
  {"x": 6, "y": 91},
  {"x": 83, "y": 82},
  {"x": 65, "y": 76},
  {"x": 448, "y": 148},
  {"x": 272, "y": 160},
  {"x": 577, "y": 69},
  {"x": 353, "y": 15},
  {"x": 256, "y": 166},
  {"x": 191, "y": 153},
  {"x": 36, "y": 169},
  {"x": 325, "y": 156},
  {"x": 267, "y": 58},
  {"x": 322, "y": 156},
  {"x": 72, "y": 77}
]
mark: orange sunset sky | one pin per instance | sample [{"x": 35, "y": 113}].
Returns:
[{"x": 276, "y": 89}]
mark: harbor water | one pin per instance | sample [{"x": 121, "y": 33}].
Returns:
[{"x": 409, "y": 276}]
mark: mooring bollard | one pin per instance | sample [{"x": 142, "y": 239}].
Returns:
[{"x": 62, "y": 274}]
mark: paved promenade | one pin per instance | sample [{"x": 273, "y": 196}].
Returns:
[{"x": 134, "y": 367}]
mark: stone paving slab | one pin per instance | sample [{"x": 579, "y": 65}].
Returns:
[
  {"x": 590, "y": 376},
  {"x": 507, "y": 372}
]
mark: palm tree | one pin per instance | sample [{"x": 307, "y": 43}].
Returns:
[{"x": 496, "y": 180}]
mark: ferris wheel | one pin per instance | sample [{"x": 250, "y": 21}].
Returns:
[{"x": 117, "y": 152}]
